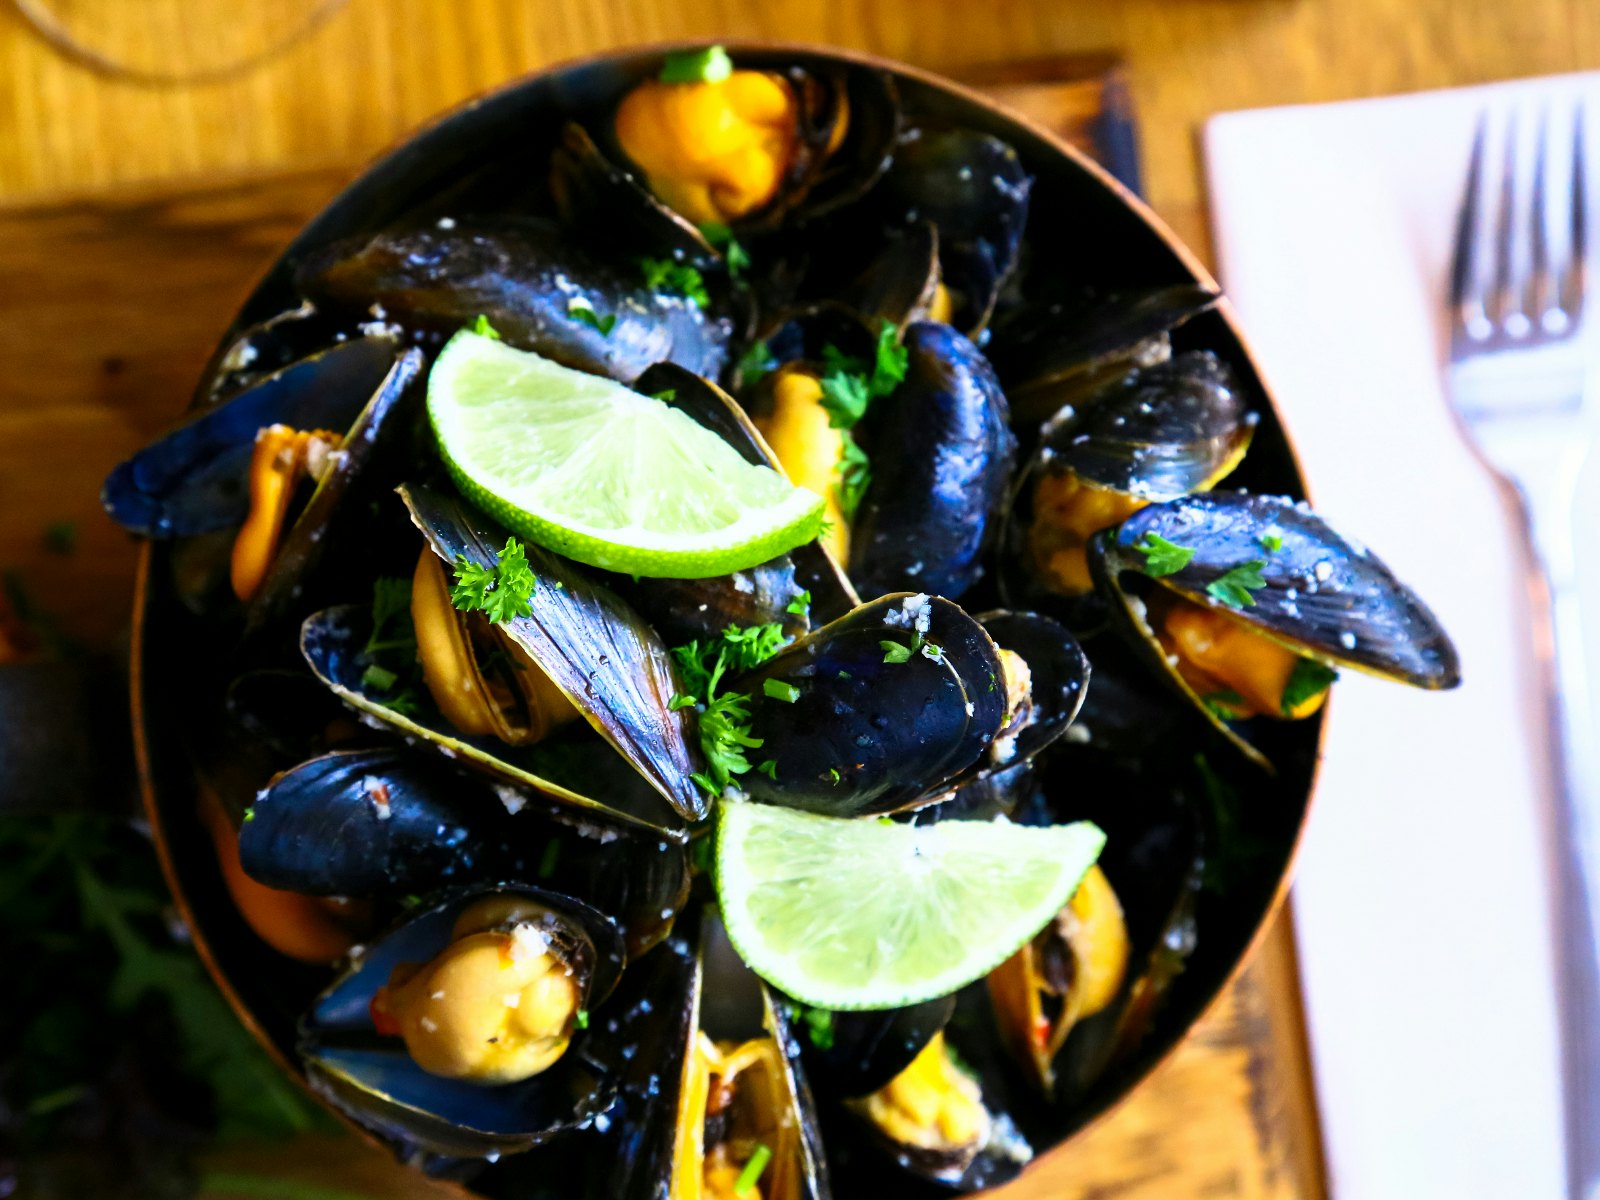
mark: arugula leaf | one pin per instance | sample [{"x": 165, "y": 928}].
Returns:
[
  {"x": 584, "y": 311},
  {"x": 1233, "y": 587},
  {"x": 1308, "y": 679},
  {"x": 708, "y": 65},
  {"x": 854, "y": 470},
  {"x": 1162, "y": 557},
  {"x": 668, "y": 275},
  {"x": 502, "y": 591},
  {"x": 482, "y": 328}
]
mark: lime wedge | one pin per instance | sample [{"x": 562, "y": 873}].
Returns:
[
  {"x": 853, "y": 914},
  {"x": 589, "y": 469}
]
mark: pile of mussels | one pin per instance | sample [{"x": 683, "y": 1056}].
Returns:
[{"x": 505, "y": 813}]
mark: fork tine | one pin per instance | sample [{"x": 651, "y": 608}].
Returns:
[
  {"x": 1464, "y": 266},
  {"x": 1501, "y": 291},
  {"x": 1538, "y": 299},
  {"x": 1572, "y": 283}
]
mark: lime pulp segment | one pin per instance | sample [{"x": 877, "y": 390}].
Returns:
[
  {"x": 593, "y": 470},
  {"x": 862, "y": 914}
]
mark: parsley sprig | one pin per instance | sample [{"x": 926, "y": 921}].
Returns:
[
  {"x": 849, "y": 386},
  {"x": 724, "y": 717},
  {"x": 582, "y": 310},
  {"x": 734, "y": 255},
  {"x": 1308, "y": 679},
  {"x": 1162, "y": 557},
  {"x": 1234, "y": 587},
  {"x": 391, "y": 674},
  {"x": 500, "y": 592},
  {"x": 675, "y": 278}
]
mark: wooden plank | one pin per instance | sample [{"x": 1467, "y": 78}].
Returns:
[{"x": 109, "y": 304}]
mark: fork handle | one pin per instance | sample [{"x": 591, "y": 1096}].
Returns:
[{"x": 1547, "y": 508}]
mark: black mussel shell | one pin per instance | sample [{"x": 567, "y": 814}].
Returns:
[
  {"x": 1323, "y": 596},
  {"x": 374, "y": 1081},
  {"x": 942, "y": 455},
  {"x": 559, "y": 773},
  {"x": 196, "y": 478},
  {"x": 1050, "y": 354},
  {"x": 1059, "y": 672},
  {"x": 1161, "y": 432},
  {"x": 801, "y": 335},
  {"x": 973, "y": 187},
  {"x": 532, "y": 282},
  {"x": 260, "y": 350},
  {"x": 614, "y": 210},
  {"x": 853, "y": 1054},
  {"x": 849, "y": 733},
  {"x": 290, "y": 713},
  {"x": 899, "y": 285},
  {"x": 386, "y": 823},
  {"x": 595, "y": 649}
]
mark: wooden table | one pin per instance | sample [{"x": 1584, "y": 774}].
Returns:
[{"x": 1230, "y": 1114}]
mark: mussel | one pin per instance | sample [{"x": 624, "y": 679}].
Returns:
[
  {"x": 712, "y": 1096},
  {"x": 1156, "y": 434},
  {"x": 1255, "y": 604},
  {"x": 535, "y": 287},
  {"x": 382, "y": 823},
  {"x": 942, "y": 452},
  {"x": 461, "y": 1032}
]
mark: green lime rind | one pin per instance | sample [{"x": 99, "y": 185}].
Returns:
[
  {"x": 863, "y": 914},
  {"x": 594, "y": 471}
]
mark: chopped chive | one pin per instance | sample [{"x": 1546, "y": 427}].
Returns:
[{"x": 753, "y": 1167}]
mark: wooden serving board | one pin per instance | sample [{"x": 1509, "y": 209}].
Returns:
[{"x": 109, "y": 306}]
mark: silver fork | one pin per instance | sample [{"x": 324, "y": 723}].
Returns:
[{"x": 1519, "y": 364}]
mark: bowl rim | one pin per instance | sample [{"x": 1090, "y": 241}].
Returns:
[{"x": 969, "y": 94}]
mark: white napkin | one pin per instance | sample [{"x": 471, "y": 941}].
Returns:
[{"x": 1421, "y": 904}]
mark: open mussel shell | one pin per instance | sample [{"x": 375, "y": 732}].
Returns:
[
  {"x": 942, "y": 455},
  {"x": 1058, "y": 672},
  {"x": 685, "y": 609},
  {"x": 974, "y": 189},
  {"x": 1050, "y": 355},
  {"x": 901, "y": 284},
  {"x": 850, "y": 733},
  {"x": 652, "y": 1142},
  {"x": 373, "y": 1080},
  {"x": 386, "y": 823},
  {"x": 537, "y": 288},
  {"x": 196, "y": 478},
  {"x": 600, "y": 653},
  {"x": 560, "y": 773},
  {"x": 1324, "y": 596},
  {"x": 862, "y": 1051}
]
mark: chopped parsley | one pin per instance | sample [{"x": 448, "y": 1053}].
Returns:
[
  {"x": 769, "y": 769},
  {"x": 500, "y": 592},
  {"x": 1162, "y": 557},
  {"x": 378, "y": 678},
  {"x": 753, "y": 1167},
  {"x": 818, "y": 1024},
  {"x": 801, "y": 605},
  {"x": 834, "y": 776},
  {"x": 724, "y": 718},
  {"x": 1271, "y": 542},
  {"x": 755, "y": 364},
  {"x": 666, "y": 395},
  {"x": 391, "y": 650},
  {"x": 584, "y": 311},
  {"x": 733, "y": 254},
  {"x": 708, "y": 65},
  {"x": 482, "y": 328},
  {"x": 668, "y": 275},
  {"x": 1234, "y": 587},
  {"x": 1308, "y": 679},
  {"x": 581, "y": 1019},
  {"x": 1225, "y": 704},
  {"x": 896, "y": 652},
  {"x": 849, "y": 385},
  {"x": 777, "y": 689},
  {"x": 854, "y": 470}
]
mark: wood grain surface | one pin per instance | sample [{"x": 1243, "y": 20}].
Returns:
[{"x": 108, "y": 307}]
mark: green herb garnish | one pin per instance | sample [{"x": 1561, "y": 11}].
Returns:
[
  {"x": 1308, "y": 679},
  {"x": 733, "y": 254},
  {"x": 708, "y": 65},
  {"x": 724, "y": 719},
  {"x": 1162, "y": 557},
  {"x": 755, "y": 364},
  {"x": 1233, "y": 588},
  {"x": 1271, "y": 542},
  {"x": 1224, "y": 705},
  {"x": 391, "y": 616},
  {"x": 818, "y": 1024},
  {"x": 753, "y": 1167},
  {"x": 777, "y": 689},
  {"x": 854, "y": 470},
  {"x": 849, "y": 385},
  {"x": 547, "y": 860},
  {"x": 896, "y": 652},
  {"x": 669, "y": 275},
  {"x": 378, "y": 678},
  {"x": 500, "y": 592},
  {"x": 666, "y": 396},
  {"x": 482, "y": 328},
  {"x": 581, "y": 1019},
  {"x": 800, "y": 605},
  {"x": 834, "y": 776},
  {"x": 584, "y": 311},
  {"x": 769, "y": 769}
]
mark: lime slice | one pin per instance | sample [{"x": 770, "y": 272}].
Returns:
[
  {"x": 589, "y": 469},
  {"x": 851, "y": 914}
]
